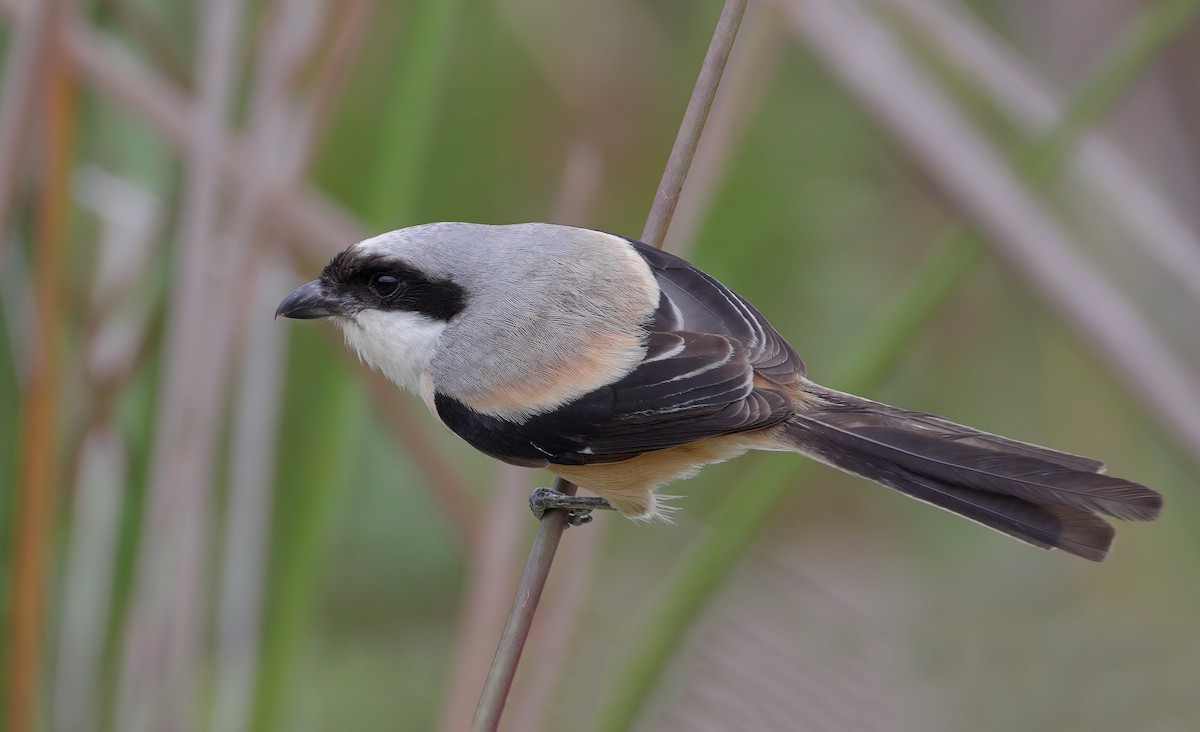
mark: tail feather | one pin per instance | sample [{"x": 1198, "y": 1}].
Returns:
[
  {"x": 993, "y": 471},
  {"x": 947, "y": 430},
  {"x": 1044, "y": 526},
  {"x": 1040, "y": 496}
]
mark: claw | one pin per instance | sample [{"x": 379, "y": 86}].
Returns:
[
  {"x": 579, "y": 517},
  {"x": 579, "y": 508},
  {"x": 537, "y": 503}
]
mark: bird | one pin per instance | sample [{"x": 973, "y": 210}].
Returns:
[{"x": 623, "y": 368}]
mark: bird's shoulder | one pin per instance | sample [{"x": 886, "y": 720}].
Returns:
[{"x": 693, "y": 301}]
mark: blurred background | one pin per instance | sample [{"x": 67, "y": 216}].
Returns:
[{"x": 210, "y": 520}]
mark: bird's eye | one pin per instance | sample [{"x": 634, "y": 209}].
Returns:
[{"x": 385, "y": 285}]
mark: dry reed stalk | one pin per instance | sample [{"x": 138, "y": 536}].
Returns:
[
  {"x": 494, "y": 569},
  {"x": 102, "y": 472},
  {"x": 662, "y": 210},
  {"x": 289, "y": 36},
  {"x": 752, "y": 68},
  {"x": 246, "y": 551},
  {"x": 34, "y": 43},
  {"x": 38, "y": 481},
  {"x": 164, "y": 634},
  {"x": 550, "y": 648},
  {"x": 491, "y": 580},
  {"x": 550, "y": 527},
  {"x": 114, "y": 341}
]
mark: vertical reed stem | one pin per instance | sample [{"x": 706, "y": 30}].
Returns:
[{"x": 39, "y": 478}]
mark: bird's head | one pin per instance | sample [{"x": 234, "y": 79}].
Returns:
[
  {"x": 480, "y": 311},
  {"x": 391, "y": 273},
  {"x": 391, "y": 297}
]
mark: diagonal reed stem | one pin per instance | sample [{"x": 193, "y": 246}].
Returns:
[
  {"x": 980, "y": 58},
  {"x": 752, "y": 68},
  {"x": 551, "y": 526},
  {"x": 684, "y": 149},
  {"x": 739, "y": 520}
]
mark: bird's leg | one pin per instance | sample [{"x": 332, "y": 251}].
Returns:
[{"x": 579, "y": 508}]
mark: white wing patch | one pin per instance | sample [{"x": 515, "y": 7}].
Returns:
[
  {"x": 703, "y": 369},
  {"x": 673, "y": 351}
]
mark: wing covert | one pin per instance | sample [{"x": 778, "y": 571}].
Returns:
[{"x": 699, "y": 303}]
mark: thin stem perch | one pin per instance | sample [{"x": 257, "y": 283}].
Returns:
[{"x": 550, "y": 527}]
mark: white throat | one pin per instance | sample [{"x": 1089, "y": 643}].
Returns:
[{"x": 398, "y": 343}]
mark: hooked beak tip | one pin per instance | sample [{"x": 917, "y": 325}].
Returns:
[{"x": 307, "y": 302}]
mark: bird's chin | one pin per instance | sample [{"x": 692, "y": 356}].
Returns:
[
  {"x": 399, "y": 344},
  {"x": 350, "y": 327}
]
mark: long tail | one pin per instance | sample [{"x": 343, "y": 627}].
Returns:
[{"x": 1050, "y": 499}]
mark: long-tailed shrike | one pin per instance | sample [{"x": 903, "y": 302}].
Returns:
[{"x": 622, "y": 368}]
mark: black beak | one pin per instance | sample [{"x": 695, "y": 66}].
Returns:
[{"x": 308, "y": 301}]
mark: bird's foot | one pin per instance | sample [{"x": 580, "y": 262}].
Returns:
[{"x": 579, "y": 508}]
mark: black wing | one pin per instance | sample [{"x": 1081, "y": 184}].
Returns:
[
  {"x": 701, "y": 304},
  {"x": 705, "y": 345},
  {"x": 691, "y": 386}
]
